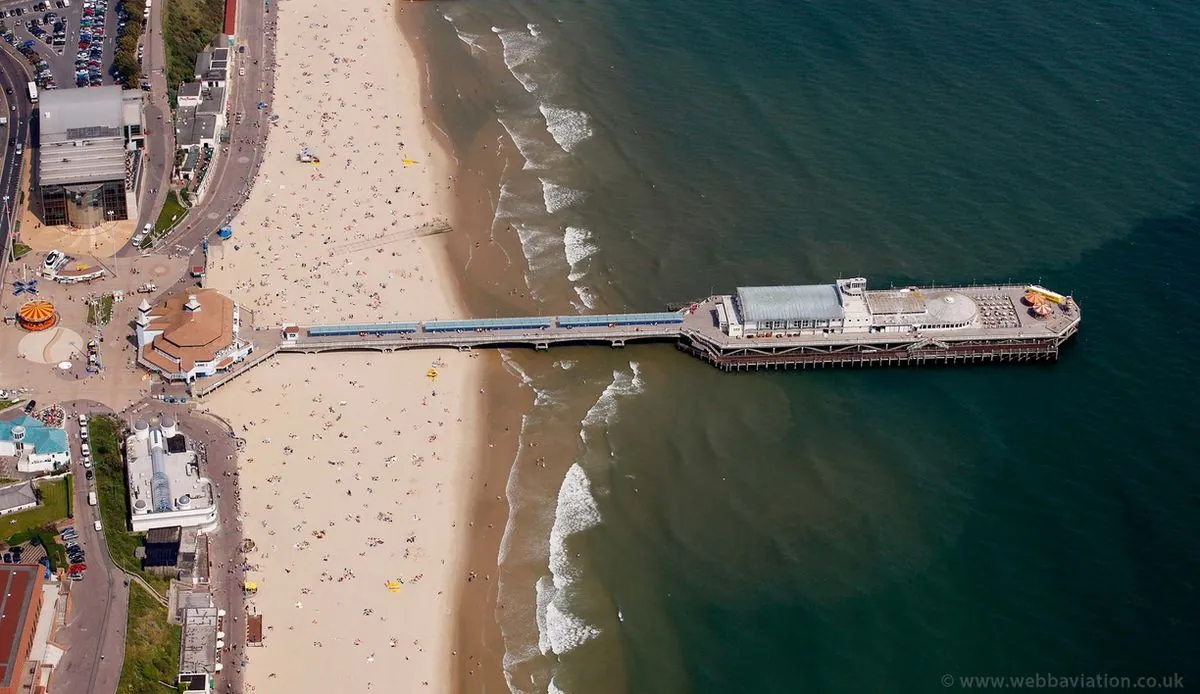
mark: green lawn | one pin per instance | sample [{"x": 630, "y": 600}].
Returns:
[
  {"x": 7, "y": 403},
  {"x": 152, "y": 658},
  {"x": 55, "y": 507},
  {"x": 104, "y": 433},
  {"x": 19, "y": 250},
  {"x": 171, "y": 215}
]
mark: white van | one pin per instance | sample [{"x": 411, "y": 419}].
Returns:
[
  {"x": 98, "y": 526},
  {"x": 91, "y": 498},
  {"x": 87, "y": 463},
  {"x": 85, "y": 449}
]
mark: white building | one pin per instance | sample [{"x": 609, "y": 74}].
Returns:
[
  {"x": 36, "y": 446},
  {"x": 166, "y": 485},
  {"x": 191, "y": 335},
  {"x": 844, "y": 306}
]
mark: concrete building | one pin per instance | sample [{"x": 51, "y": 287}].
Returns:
[
  {"x": 15, "y": 498},
  {"x": 166, "y": 486},
  {"x": 201, "y": 642},
  {"x": 191, "y": 335},
  {"x": 212, "y": 67},
  {"x": 20, "y": 604},
  {"x": 37, "y": 446},
  {"x": 844, "y": 306},
  {"x": 89, "y": 148}
]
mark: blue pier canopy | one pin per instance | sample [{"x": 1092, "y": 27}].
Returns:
[
  {"x": 624, "y": 319},
  {"x": 358, "y": 328},
  {"x": 524, "y": 323}
]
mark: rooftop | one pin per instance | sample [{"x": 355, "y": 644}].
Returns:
[
  {"x": 79, "y": 113},
  {"x": 184, "y": 486},
  {"x": 17, "y": 495},
  {"x": 82, "y": 161},
  {"x": 212, "y": 102},
  {"x": 43, "y": 438},
  {"x": 195, "y": 327},
  {"x": 198, "y": 651},
  {"x": 192, "y": 127},
  {"x": 189, "y": 90},
  {"x": 18, "y": 583},
  {"x": 789, "y": 303}
]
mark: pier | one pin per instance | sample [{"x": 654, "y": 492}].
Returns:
[{"x": 814, "y": 326}]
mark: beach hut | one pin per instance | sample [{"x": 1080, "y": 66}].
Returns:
[{"x": 37, "y": 315}]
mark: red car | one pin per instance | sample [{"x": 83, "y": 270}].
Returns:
[{"x": 78, "y": 568}]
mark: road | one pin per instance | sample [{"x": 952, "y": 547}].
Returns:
[
  {"x": 99, "y": 603},
  {"x": 160, "y": 138},
  {"x": 12, "y": 77},
  {"x": 239, "y": 160}
]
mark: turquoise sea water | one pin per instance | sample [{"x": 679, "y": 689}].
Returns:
[{"x": 848, "y": 531}]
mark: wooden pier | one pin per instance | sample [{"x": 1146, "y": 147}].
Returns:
[{"x": 1004, "y": 331}]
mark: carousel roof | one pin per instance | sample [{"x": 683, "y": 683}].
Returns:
[{"x": 36, "y": 311}]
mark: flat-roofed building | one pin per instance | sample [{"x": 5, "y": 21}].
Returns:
[
  {"x": 88, "y": 146},
  {"x": 212, "y": 67},
  {"x": 198, "y": 650},
  {"x": 20, "y": 604},
  {"x": 167, "y": 488},
  {"x": 191, "y": 335}
]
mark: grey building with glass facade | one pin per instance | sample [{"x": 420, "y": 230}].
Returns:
[{"x": 89, "y": 151}]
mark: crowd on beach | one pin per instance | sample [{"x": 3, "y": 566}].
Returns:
[{"x": 353, "y": 481}]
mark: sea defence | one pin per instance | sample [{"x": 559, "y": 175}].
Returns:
[{"x": 782, "y": 327}]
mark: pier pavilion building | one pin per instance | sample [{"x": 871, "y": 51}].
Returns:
[
  {"x": 191, "y": 335},
  {"x": 844, "y": 306}
]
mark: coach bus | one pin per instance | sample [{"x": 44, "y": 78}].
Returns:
[{"x": 32, "y": 92}]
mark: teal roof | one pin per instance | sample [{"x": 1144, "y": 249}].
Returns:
[{"x": 44, "y": 439}]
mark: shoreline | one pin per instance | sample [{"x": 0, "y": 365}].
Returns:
[{"x": 477, "y": 662}]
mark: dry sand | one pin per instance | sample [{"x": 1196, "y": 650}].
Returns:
[{"x": 358, "y": 467}]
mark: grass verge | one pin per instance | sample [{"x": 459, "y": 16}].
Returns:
[
  {"x": 19, "y": 250},
  {"x": 152, "y": 657},
  {"x": 171, "y": 215},
  {"x": 104, "y": 433}
]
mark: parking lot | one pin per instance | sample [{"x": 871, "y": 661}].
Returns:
[{"x": 70, "y": 42}]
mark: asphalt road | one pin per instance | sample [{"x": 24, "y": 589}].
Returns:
[
  {"x": 239, "y": 161},
  {"x": 160, "y": 136},
  {"x": 99, "y": 603},
  {"x": 12, "y": 77}
]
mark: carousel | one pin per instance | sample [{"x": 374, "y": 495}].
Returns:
[
  {"x": 1039, "y": 305},
  {"x": 37, "y": 315}
]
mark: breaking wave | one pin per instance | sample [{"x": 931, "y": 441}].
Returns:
[{"x": 567, "y": 126}]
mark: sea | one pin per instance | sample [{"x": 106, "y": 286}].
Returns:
[{"x": 675, "y": 529}]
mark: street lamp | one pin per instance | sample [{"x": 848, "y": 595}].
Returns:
[{"x": 112, "y": 229}]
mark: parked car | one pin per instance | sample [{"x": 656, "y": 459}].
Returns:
[
  {"x": 75, "y": 577},
  {"x": 78, "y": 568},
  {"x": 30, "y": 406},
  {"x": 89, "y": 474}
]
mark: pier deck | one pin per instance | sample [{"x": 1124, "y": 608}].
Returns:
[{"x": 1003, "y": 329}]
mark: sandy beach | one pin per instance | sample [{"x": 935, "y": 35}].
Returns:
[{"x": 357, "y": 474}]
